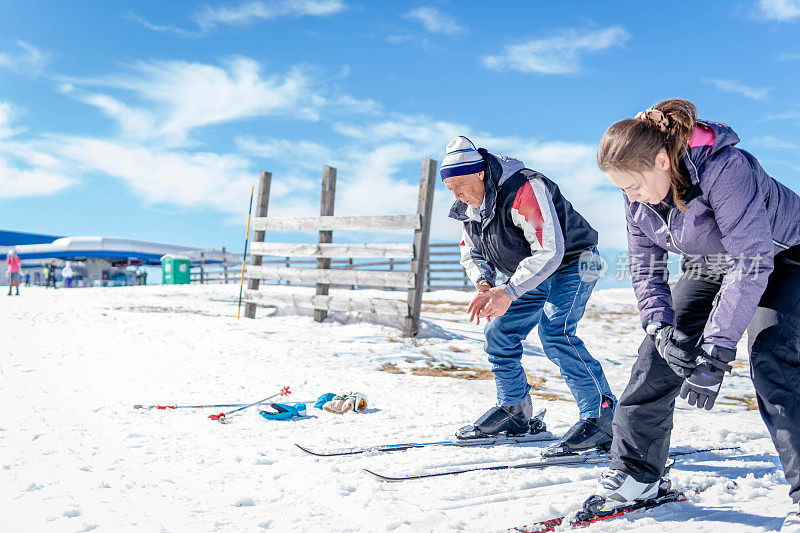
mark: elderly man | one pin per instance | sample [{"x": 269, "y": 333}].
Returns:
[{"x": 517, "y": 221}]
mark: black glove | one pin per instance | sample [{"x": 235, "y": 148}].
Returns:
[
  {"x": 676, "y": 349},
  {"x": 702, "y": 386}
]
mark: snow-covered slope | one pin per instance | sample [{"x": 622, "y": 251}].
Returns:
[{"x": 75, "y": 456}]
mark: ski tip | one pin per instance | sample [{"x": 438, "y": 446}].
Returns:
[
  {"x": 331, "y": 453},
  {"x": 381, "y": 477},
  {"x": 307, "y": 450}
]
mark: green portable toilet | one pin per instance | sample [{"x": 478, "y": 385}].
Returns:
[{"x": 175, "y": 270}]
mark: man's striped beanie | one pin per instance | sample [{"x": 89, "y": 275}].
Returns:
[{"x": 460, "y": 158}]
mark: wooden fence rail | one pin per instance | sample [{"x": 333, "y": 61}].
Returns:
[
  {"x": 442, "y": 270},
  {"x": 330, "y": 223}
]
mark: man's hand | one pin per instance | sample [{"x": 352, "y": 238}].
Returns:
[{"x": 489, "y": 304}]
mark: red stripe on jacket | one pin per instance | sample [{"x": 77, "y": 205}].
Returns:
[{"x": 528, "y": 207}]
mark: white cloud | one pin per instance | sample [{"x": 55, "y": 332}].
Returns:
[
  {"x": 16, "y": 182},
  {"x": 779, "y": 10},
  {"x": 181, "y": 32},
  {"x": 6, "y": 110},
  {"x": 790, "y": 114},
  {"x": 28, "y": 60},
  {"x": 770, "y": 142},
  {"x": 435, "y": 20},
  {"x": 730, "y": 86},
  {"x": 788, "y": 57},
  {"x": 162, "y": 175},
  {"x": 556, "y": 55},
  {"x": 210, "y": 17},
  {"x": 25, "y": 170},
  {"x": 177, "y": 97}
]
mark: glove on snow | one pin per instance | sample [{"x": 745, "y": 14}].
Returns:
[
  {"x": 674, "y": 346},
  {"x": 325, "y": 398},
  {"x": 352, "y": 401},
  {"x": 702, "y": 386},
  {"x": 282, "y": 411}
]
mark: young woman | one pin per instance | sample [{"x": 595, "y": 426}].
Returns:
[{"x": 690, "y": 191}]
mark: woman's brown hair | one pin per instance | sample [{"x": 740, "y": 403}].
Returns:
[{"x": 632, "y": 144}]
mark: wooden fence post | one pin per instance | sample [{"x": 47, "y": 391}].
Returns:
[
  {"x": 325, "y": 209},
  {"x": 202, "y": 267},
  {"x": 262, "y": 203},
  {"x": 419, "y": 262}
]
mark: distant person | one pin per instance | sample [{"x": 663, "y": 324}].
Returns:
[
  {"x": 27, "y": 279},
  {"x": 144, "y": 277},
  {"x": 517, "y": 221},
  {"x": 51, "y": 275},
  {"x": 68, "y": 274},
  {"x": 13, "y": 262}
]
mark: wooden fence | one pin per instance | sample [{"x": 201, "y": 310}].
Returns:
[{"x": 324, "y": 252}]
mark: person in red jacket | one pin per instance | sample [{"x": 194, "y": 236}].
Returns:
[{"x": 12, "y": 260}]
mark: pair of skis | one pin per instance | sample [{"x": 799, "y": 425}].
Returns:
[{"x": 591, "y": 457}]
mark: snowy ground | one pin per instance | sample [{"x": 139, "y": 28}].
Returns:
[{"x": 75, "y": 456}]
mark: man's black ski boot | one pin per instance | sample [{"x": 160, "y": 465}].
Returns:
[
  {"x": 586, "y": 434},
  {"x": 507, "y": 419}
]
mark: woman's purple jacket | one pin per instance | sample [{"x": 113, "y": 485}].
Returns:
[{"x": 737, "y": 218}]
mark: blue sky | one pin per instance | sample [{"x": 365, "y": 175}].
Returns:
[{"x": 151, "y": 120}]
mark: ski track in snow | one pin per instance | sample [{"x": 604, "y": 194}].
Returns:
[{"x": 75, "y": 456}]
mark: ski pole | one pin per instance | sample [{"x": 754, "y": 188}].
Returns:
[
  {"x": 244, "y": 255},
  {"x": 212, "y": 406},
  {"x": 221, "y": 416}
]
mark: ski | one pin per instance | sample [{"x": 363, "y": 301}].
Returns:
[
  {"x": 539, "y": 434},
  {"x": 585, "y": 518},
  {"x": 544, "y": 436},
  {"x": 592, "y": 457},
  {"x": 587, "y": 458}
]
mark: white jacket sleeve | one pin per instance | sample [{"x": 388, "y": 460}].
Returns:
[{"x": 534, "y": 213}]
